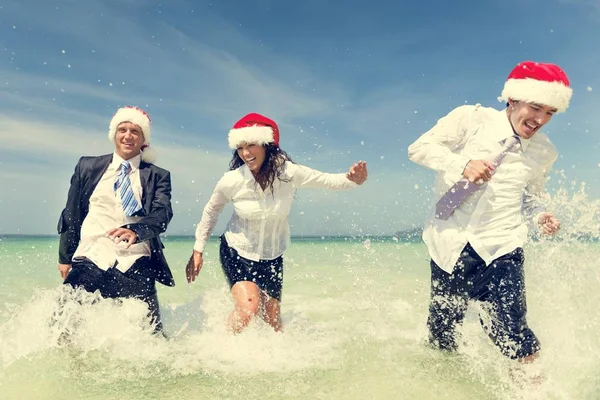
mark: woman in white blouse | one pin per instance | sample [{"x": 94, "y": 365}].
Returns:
[{"x": 261, "y": 184}]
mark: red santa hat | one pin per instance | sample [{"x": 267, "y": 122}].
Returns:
[
  {"x": 137, "y": 116},
  {"x": 253, "y": 128},
  {"x": 541, "y": 83}
]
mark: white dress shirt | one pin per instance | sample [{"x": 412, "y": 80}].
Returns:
[
  {"x": 493, "y": 219},
  {"x": 106, "y": 213},
  {"x": 259, "y": 228}
]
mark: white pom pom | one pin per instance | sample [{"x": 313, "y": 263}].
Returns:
[{"x": 149, "y": 155}]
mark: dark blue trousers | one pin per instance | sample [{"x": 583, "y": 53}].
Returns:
[
  {"x": 138, "y": 282},
  {"x": 501, "y": 289}
]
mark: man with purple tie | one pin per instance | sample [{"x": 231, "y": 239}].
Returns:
[
  {"x": 491, "y": 171},
  {"x": 118, "y": 205}
]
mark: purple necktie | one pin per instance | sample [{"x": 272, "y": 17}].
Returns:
[{"x": 463, "y": 188}]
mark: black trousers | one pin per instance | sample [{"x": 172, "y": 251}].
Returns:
[
  {"x": 500, "y": 287},
  {"x": 138, "y": 282}
]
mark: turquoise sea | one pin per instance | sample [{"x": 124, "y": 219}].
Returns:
[{"x": 354, "y": 312}]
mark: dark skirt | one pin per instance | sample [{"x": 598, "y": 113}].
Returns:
[{"x": 266, "y": 274}]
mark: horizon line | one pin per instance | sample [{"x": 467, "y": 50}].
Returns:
[{"x": 344, "y": 235}]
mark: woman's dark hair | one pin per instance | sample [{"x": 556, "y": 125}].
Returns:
[{"x": 271, "y": 168}]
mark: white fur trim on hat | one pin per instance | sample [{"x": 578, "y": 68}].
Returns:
[
  {"x": 552, "y": 94},
  {"x": 149, "y": 155},
  {"x": 252, "y": 134},
  {"x": 135, "y": 116}
]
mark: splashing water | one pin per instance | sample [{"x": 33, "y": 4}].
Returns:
[{"x": 354, "y": 318}]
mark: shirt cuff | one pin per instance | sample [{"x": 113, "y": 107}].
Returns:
[
  {"x": 199, "y": 246},
  {"x": 457, "y": 164},
  {"x": 351, "y": 184}
]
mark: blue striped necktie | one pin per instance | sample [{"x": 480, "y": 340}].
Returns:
[{"x": 123, "y": 184}]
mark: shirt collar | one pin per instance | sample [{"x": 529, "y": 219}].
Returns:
[
  {"x": 249, "y": 178},
  {"x": 117, "y": 160},
  {"x": 508, "y": 131},
  {"x": 247, "y": 173}
]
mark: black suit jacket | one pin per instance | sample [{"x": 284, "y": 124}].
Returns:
[{"x": 156, "y": 210}]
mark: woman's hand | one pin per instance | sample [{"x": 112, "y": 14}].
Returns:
[
  {"x": 358, "y": 173},
  {"x": 194, "y": 266}
]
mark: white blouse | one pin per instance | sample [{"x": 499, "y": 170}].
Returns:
[{"x": 258, "y": 228}]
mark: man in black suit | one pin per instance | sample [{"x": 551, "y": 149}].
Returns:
[{"x": 117, "y": 206}]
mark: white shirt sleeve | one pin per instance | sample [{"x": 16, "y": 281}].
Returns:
[
  {"x": 307, "y": 177},
  {"x": 533, "y": 204},
  {"x": 211, "y": 213},
  {"x": 435, "y": 148}
]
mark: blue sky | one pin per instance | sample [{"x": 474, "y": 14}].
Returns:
[{"x": 345, "y": 81}]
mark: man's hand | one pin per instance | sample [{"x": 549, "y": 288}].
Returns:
[
  {"x": 64, "y": 270},
  {"x": 119, "y": 235},
  {"x": 549, "y": 225},
  {"x": 479, "y": 171},
  {"x": 194, "y": 266}
]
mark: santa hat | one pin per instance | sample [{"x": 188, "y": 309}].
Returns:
[
  {"x": 253, "y": 128},
  {"x": 541, "y": 83},
  {"x": 137, "y": 116}
]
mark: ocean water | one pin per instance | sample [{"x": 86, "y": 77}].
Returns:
[{"x": 354, "y": 314}]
